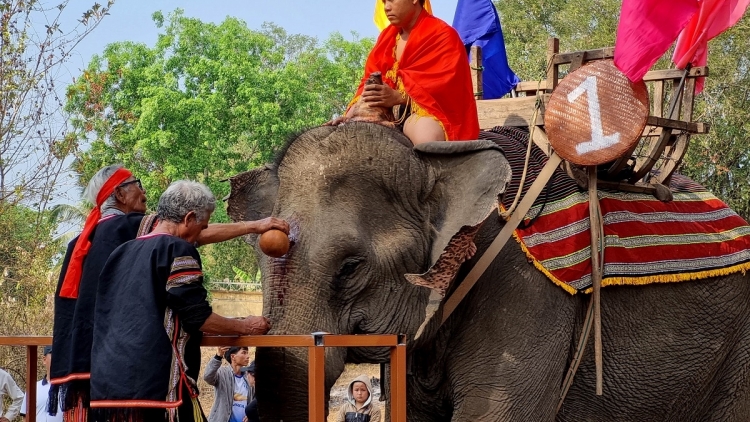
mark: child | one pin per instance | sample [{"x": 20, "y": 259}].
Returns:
[{"x": 359, "y": 406}]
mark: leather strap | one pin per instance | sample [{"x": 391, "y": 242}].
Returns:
[
  {"x": 596, "y": 273},
  {"x": 502, "y": 238},
  {"x": 577, "y": 357}
]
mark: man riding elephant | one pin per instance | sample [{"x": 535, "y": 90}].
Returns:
[{"x": 426, "y": 75}]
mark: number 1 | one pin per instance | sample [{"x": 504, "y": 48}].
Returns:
[{"x": 598, "y": 140}]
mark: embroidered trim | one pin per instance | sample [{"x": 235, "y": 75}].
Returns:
[
  {"x": 583, "y": 284},
  {"x": 147, "y": 225},
  {"x": 154, "y": 404},
  {"x": 107, "y": 217},
  {"x": 170, "y": 325},
  {"x": 70, "y": 377},
  {"x": 184, "y": 262},
  {"x": 392, "y": 74},
  {"x": 150, "y": 235},
  {"x": 182, "y": 279}
]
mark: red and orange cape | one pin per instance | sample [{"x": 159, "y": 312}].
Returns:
[{"x": 433, "y": 71}]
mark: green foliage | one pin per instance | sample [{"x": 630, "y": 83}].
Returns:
[
  {"x": 580, "y": 25},
  {"x": 27, "y": 280},
  {"x": 241, "y": 275},
  {"x": 720, "y": 160},
  {"x": 206, "y": 102},
  {"x": 27, "y": 254},
  {"x": 33, "y": 141}
]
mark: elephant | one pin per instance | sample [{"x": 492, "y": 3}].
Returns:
[{"x": 366, "y": 209}]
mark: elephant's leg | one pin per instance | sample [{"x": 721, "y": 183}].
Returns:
[
  {"x": 671, "y": 351},
  {"x": 487, "y": 403},
  {"x": 730, "y": 400},
  {"x": 498, "y": 395},
  {"x": 484, "y": 404},
  {"x": 509, "y": 351}
]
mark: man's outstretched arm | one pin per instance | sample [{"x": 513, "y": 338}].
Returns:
[
  {"x": 249, "y": 326},
  {"x": 221, "y": 232}
]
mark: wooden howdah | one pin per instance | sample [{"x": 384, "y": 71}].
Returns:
[{"x": 645, "y": 166}]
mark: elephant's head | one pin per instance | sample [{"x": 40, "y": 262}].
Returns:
[{"x": 365, "y": 210}]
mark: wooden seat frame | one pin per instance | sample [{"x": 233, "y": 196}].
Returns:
[{"x": 664, "y": 141}]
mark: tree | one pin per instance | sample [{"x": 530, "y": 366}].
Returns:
[
  {"x": 720, "y": 159},
  {"x": 34, "y": 144},
  {"x": 206, "y": 102},
  {"x": 33, "y": 139},
  {"x": 580, "y": 25}
]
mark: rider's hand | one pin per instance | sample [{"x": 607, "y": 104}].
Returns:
[
  {"x": 377, "y": 95},
  {"x": 335, "y": 122}
]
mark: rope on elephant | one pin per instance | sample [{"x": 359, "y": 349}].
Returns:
[{"x": 532, "y": 126}]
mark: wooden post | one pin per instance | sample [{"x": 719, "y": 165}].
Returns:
[
  {"x": 476, "y": 72},
  {"x": 674, "y": 101},
  {"x": 658, "y": 100},
  {"x": 688, "y": 100},
  {"x": 553, "y": 47},
  {"x": 316, "y": 380},
  {"x": 398, "y": 381},
  {"x": 31, "y": 356}
]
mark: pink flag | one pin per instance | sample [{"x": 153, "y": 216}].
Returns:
[
  {"x": 713, "y": 18},
  {"x": 646, "y": 30}
]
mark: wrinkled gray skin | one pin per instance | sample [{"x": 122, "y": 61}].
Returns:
[{"x": 365, "y": 210}]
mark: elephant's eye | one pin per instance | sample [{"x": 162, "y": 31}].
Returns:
[{"x": 346, "y": 271}]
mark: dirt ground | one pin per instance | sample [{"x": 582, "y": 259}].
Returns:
[{"x": 338, "y": 392}]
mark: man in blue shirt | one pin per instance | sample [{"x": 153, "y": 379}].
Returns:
[{"x": 231, "y": 389}]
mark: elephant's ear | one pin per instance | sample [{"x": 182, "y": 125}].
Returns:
[
  {"x": 252, "y": 194},
  {"x": 467, "y": 179}
]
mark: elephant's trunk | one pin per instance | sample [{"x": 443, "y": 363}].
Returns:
[
  {"x": 282, "y": 373},
  {"x": 282, "y": 379},
  {"x": 282, "y": 384}
]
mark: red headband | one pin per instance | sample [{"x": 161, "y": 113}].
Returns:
[{"x": 72, "y": 279}]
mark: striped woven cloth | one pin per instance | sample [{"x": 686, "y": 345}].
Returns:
[{"x": 695, "y": 236}]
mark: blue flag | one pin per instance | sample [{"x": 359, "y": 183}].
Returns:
[{"x": 478, "y": 23}]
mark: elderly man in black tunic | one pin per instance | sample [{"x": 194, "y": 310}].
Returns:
[
  {"x": 151, "y": 311},
  {"x": 117, "y": 218}
]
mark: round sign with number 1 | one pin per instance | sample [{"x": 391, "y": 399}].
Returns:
[{"x": 595, "y": 114}]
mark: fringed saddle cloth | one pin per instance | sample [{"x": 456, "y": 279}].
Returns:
[{"x": 695, "y": 236}]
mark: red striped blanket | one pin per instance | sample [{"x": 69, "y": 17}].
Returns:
[{"x": 694, "y": 236}]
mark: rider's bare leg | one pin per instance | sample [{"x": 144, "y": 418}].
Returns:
[{"x": 421, "y": 129}]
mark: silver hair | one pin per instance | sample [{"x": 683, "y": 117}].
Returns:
[
  {"x": 96, "y": 183},
  {"x": 184, "y": 196}
]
